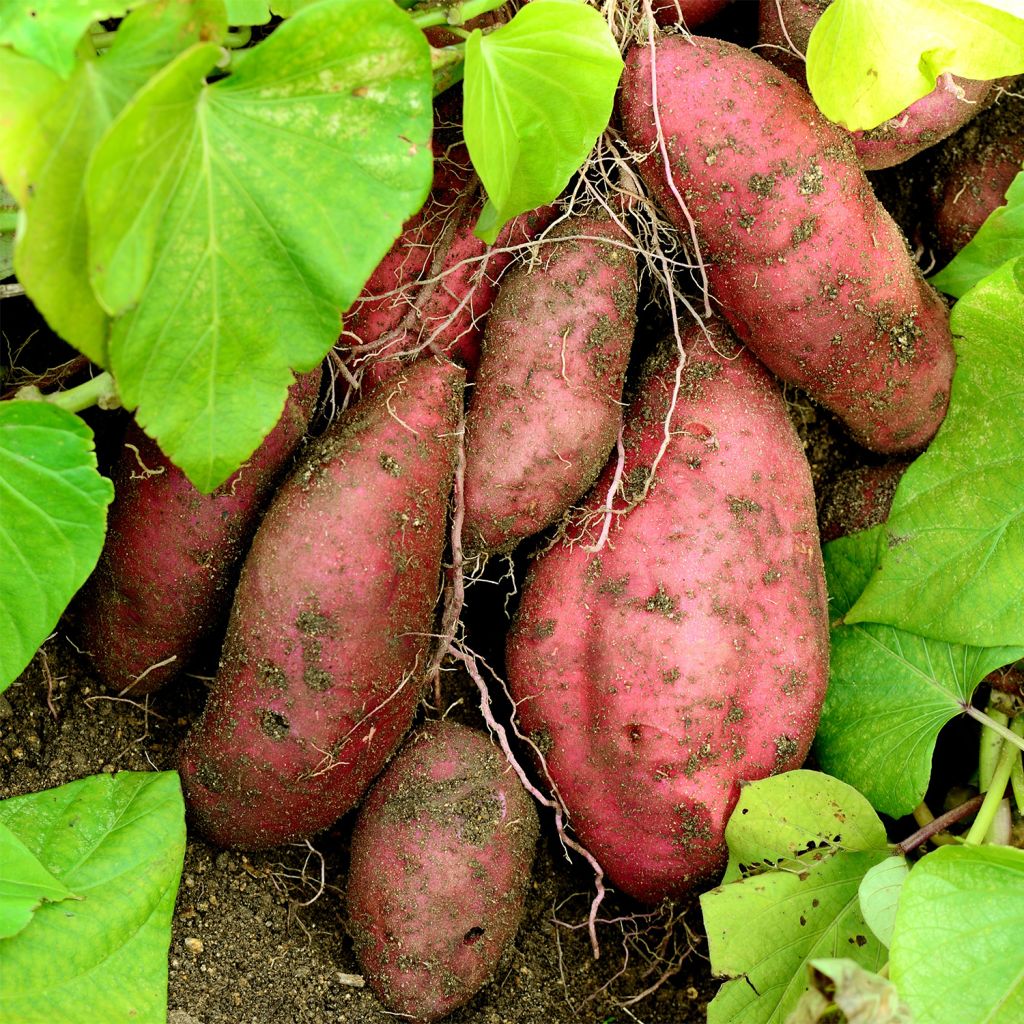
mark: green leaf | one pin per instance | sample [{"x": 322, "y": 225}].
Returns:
[
  {"x": 867, "y": 60},
  {"x": 784, "y": 816},
  {"x": 233, "y": 221},
  {"x": 49, "y": 31},
  {"x": 879, "y": 896},
  {"x": 118, "y": 842},
  {"x": 8, "y": 218},
  {"x": 861, "y": 996},
  {"x": 999, "y": 239},
  {"x": 24, "y": 885},
  {"x": 956, "y": 949},
  {"x": 764, "y": 929},
  {"x": 538, "y": 92},
  {"x": 46, "y": 144},
  {"x": 952, "y": 567},
  {"x": 247, "y": 12},
  {"x": 53, "y": 516},
  {"x": 889, "y": 691}
]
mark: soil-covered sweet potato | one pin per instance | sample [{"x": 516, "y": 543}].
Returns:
[
  {"x": 441, "y": 856},
  {"x": 810, "y": 270},
  {"x": 860, "y": 498},
  {"x": 319, "y": 675},
  {"x": 691, "y": 652},
  {"x": 545, "y": 409},
  {"x": 785, "y": 26},
  {"x": 691, "y": 13},
  {"x": 163, "y": 582}
]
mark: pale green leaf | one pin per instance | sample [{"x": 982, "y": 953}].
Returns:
[
  {"x": 48, "y": 31},
  {"x": 247, "y": 12},
  {"x": 24, "y": 885},
  {"x": 880, "y": 895},
  {"x": 957, "y": 952},
  {"x": 538, "y": 92},
  {"x": 763, "y": 930},
  {"x": 999, "y": 239},
  {"x": 867, "y": 60},
  {"x": 8, "y": 220},
  {"x": 952, "y": 566},
  {"x": 889, "y": 692},
  {"x": 53, "y": 517},
  {"x": 118, "y": 843},
  {"x": 862, "y": 996},
  {"x": 46, "y": 143},
  {"x": 277, "y": 191}
]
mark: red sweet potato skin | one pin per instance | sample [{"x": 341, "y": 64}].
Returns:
[
  {"x": 545, "y": 409},
  {"x": 318, "y": 677},
  {"x": 692, "y": 13},
  {"x": 811, "y": 272},
  {"x": 171, "y": 553},
  {"x": 441, "y": 856},
  {"x": 691, "y": 653}
]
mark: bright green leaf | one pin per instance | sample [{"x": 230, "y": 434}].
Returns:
[
  {"x": 862, "y": 996},
  {"x": 999, "y": 239},
  {"x": 867, "y": 60},
  {"x": 247, "y": 12},
  {"x": 889, "y": 692},
  {"x": 538, "y": 92},
  {"x": 242, "y": 216},
  {"x": 118, "y": 843},
  {"x": 785, "y": 815},
  {"x": 24, "y": 885},
  {"x": 48, "y": 31},
  {"x": 957, "y": 950},
  {"x": 53, "y": 517},
  {"x": 879, "y": 896},
  {"x": 764, "y": 929},
  {"x": 952, "y": 567},
  {"x": 46, "y": 144}
]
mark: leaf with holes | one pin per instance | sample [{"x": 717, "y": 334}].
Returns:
[
  {"x": 53, "y": 517},
  {"x": 889, "y": 692},
  {"x": 232, "y": 221},
  {"x": 24, "y": 884},
  {"x": 810, "y": 840}
]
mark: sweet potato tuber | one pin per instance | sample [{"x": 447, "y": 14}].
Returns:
[{"x": 319, "y": 679}]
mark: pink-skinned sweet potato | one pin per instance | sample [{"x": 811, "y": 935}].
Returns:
[
  {"x": 163, "y": 582},
  {"x": 441, "y": 856},
  {"x": 545, "y": 409},
  {"x": 691, "y": 652},
  {"x": 318, "y": 680},
  {"x": 860, "y": 498},
  {"x": 809, "y": 269},
  {"x": 934, "y": 117}
]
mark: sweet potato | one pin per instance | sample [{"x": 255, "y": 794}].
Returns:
[
  {"x": 690, "y": 13},
  {"x": 441, "y": 856},
  {"x": 545, "y": 411},
  {"x": 860, "y": 498},
  {"x": 163, "y": 582},
  {"x": 691, "y": 653},
  {"x": 318, "y": 677},
  {"x": 810, "y": 270},
  {"x": 949, "y": 106}
]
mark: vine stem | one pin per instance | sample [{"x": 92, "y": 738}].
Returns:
[
  {"x": 456, "y": 14},
  {"x": 1008, "y": 734},
  {"x": 101, "y": 391},
  {"x": 939, "y": 824},
  {"x": 994, "y": 796}
]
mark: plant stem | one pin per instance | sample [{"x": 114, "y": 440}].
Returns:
[
  {"x": 979, "y": 716},
  {"x": 8, "y": 220},
  {"x": 994, "y": 796},
  {"x": 101, "y": 391},
  {"x": 1017, "y": 771},
  {"x": 448, "y": 66},
  {"x": 456, "y": 14},
  {"x": 236, "y": 38},
  {"x": 989, "y": 749},
  {"x": 939, "y": 824}
]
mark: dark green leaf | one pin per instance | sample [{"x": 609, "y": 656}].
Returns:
[
  {"x": 538, "y": 92},
  {"x": 53, "y": 516},
  {"x": 275, "y": 193},
  {"x": 889, "y": 692},
  {"x": 118, "y": 843},
  {"x": 952, "y": 567}
]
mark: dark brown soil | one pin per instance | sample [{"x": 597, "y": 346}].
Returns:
[{"x": 254, "y": 943}]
